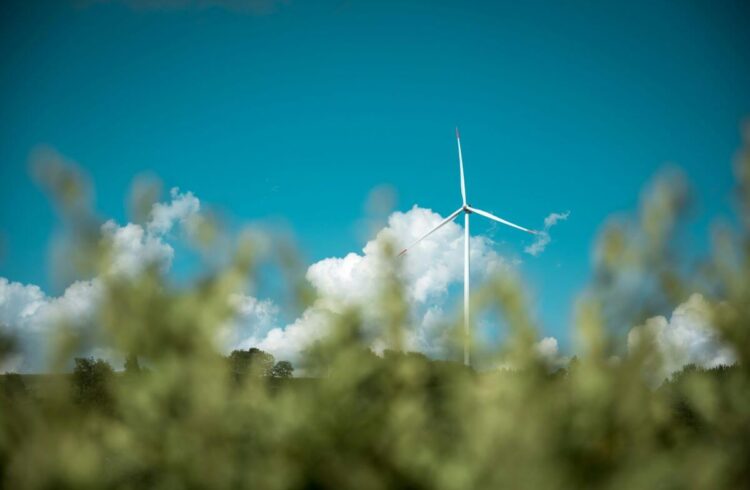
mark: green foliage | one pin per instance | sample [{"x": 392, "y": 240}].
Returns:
[
  {"x": 92, "y": 380},
  {"x": 251, "y": 362},
  {"x": 196, "y": 419},
  {"x": 13, "y": 386},
  {"x": 132, "y": 366},
  {"x": 7, "y": 345},
  {"x": 282, "y": 369}
]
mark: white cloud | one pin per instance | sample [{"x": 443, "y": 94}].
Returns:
[
  {"x": 19, "y": 303},
  {"x": 181, "y": 208},
  {"x": 549, "y": 351},
  {"x": 686, "y": 338},
  {"x": 254, "y": 318},
  {"x": 29, "y": 315},
  {"x": 543, "y": 237},
  {"x": 135, "y": 247},
  {"x": 547, "y": 348},
  {"x": 429, "y": 269},
  {"x": 289, "y": 342},
  {"x": 552, "y": 219}
]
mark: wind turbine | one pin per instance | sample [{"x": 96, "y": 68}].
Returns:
[{"x": 468, "y": 211}]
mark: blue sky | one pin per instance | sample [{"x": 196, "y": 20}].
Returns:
[{"x": 296, "y": 112}]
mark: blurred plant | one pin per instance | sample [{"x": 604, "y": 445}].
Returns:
[{"x": 399, "y": 420}]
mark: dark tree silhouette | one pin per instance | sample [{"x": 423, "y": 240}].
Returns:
[
  {"x": 91, "y": 382},
  {"x": 282, "y": 369},
  {"x": 13, "y": 385},
  {"x": 252, "y": 362},
  {"x": 131, "y": 365}
]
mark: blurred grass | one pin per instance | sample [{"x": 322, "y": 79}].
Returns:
[{"x": 400, "y": 420}]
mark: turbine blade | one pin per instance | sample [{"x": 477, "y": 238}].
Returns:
[
  {"x": 461, "y": 165},
  {"x": 500, "y": 220},
  {"x": 442, "y": 223}
]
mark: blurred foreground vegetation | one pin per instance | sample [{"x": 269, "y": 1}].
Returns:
[{"x": 182, "y": 415}]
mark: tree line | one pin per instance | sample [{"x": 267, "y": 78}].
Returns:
[{"x": 91, "y": 378}]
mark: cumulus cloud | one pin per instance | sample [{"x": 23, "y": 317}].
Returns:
[
  {"x": 353, "y": 281},
  {"x": 429, "y": 270},
  {"x": 18, "y": 303},
  {"x": 135, "y": 247},
  {"x": 543, "y": 237},
  {"x": 253, "y": 319},
  {"x": 178, "y": 211},
  {"x": 290, "y": 341},
  {"x": 547, "y": 348},
  {"x": 686, "y": 338},
  {"x": 29, "y": 315}
]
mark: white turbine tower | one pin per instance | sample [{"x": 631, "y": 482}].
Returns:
[{"x": 467, "y": 210}]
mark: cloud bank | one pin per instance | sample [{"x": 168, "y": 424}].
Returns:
[
  {"x": 30, "y": 316},
  {"x": 686, "y": 338},
  {"x": 429, "y": 271}
]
